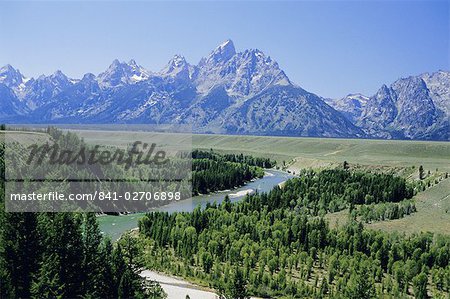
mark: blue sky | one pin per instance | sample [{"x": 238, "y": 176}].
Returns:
[{"x": 331, "y": 48}]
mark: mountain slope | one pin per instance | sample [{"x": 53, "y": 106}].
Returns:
[{"x": 284, "y": 110}]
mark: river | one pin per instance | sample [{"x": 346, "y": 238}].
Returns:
[
  {"x": 115, "y": 226},
  {"x": 177, "y": 288}
]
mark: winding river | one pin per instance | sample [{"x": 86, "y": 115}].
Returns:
[
  {"x": 177, "y": 288},
  {"x": 115, "y": 226}
]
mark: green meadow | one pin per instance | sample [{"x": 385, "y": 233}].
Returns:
[{"x": 316, "y": 152}]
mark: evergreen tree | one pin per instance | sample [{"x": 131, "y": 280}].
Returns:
[
  {"x": 126, "y": 286},
  {"x": 236, "y": 288},
  {"x": 19, "y": 242},
  {"x": 92, "y": 262},
  {"x": 421, "y": 172},
  {"x": 48, "y": 283},
  {"x": 420, "y": 286},
  {"x": 361, "y": 285},
  {"x": 106, "y": 286},
  {"x": 324, "y": 287}
]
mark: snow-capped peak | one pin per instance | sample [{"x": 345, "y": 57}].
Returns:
[
  {"x": 120, "y": 73},
  {"x": 59, "y": 76},
  {"x": 221, "y": 54},
  {"x": 133, "y": 63},
  {"x": 177, "y": 68},
  {"x": 226, "y": 44},
  {"x": 10, "y": 76},
  {"x": 176, "y": 62},
  {"x": 241, "y": 74},
  {"x": 357, "y": 96},
  {"x": 7, "y": 68}
]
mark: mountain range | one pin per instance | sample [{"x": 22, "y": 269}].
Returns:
[{"x": 228, "y": 92}]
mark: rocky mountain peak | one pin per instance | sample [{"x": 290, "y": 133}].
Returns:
[
  {"x": 240, "y": 74},
  {"x": 221, "y": 54},
  {"x": 59, "y": 77},
  {"x": 10, "y": 76},
  {"x": 177, "y": 68},
  {"x": 88, "y": 77},
  {"x": 122, "y": 73}
]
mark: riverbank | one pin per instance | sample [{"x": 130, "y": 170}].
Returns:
[{"x": 178, "y": 288}]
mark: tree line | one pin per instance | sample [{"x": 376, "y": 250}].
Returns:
[
  {"x": 317, "y": 193},
  {"x": 236, "y": 158},
  {"x": 213, "y": 175},
  {"x": 385, "y": 211},
  {"x": 212, "y": 171}
]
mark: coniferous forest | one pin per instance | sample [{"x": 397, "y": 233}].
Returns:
[
  {"x": 64, "y": 255},
  {"x": 277, "y": 245}
]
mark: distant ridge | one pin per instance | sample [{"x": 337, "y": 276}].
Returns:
[{"x": 228, "y": 92}]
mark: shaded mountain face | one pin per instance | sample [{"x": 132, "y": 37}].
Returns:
[
  {"x": 286, "y": 110},
  {"x": 226, "y": 92},
  {"x": 417, "y": 107},
  {"x": 10, "y": 106},
  {"x": 409, "y": 109}
]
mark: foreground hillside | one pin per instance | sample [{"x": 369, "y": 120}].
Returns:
[{"x": 276, "y": 245}]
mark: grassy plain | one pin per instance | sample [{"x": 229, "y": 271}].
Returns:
[
  {"x": 302, "y": 152},
  {"x": 316, "y": 152}
]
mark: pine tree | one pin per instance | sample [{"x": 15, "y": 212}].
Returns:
[
  {"x": 236, "y": 288},
  {"x": 345, "y": 165},
  {"x": 227, "y": 203},
  {"x": 48, "y": 283},
  {"x": 118, "y": 267},
  {"x": 126, "y": 286},
  {"x": 420, "y": 286},
  {"x": 92, "y": 262},
  {"x": 62, "y": 261},
  {"x": 421, "y": 172},
  {"x": 361, "y": 285},
  {"x": 106, "y": 286},
  {"x": 324, "y": 288},
  {"x": 20, "y": 251}
]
